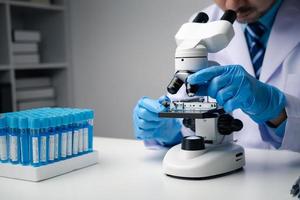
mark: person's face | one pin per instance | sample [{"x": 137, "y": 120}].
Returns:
[{"x": 247, "y": 10}]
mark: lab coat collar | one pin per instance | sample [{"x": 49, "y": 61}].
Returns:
[
  {"x": 238, "y": 49},
  {"x": 285, "y": 35}
]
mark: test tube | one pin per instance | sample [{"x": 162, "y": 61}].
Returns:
[
  {"x": 13, "y": 138},
  {"x": 52, "y": 132},
  {"x": 85, "y": 132},
  {"x": 44, "y": 140},
  {"x": 57, "y": 136},
  {"x": 24, "y": 140},
  {"x": 75, "y": 133},
  {"x": 70, "y": 135},
  {"x": 64, "y": 136},
  {"x": 80, "y": 133},
  {"x": 34, "y": 126},
  {"x": 3, "y": 140},
  {"x": 90, "y": 116}
]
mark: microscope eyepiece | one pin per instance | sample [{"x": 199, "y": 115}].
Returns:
[
  {"x": 201, "y": 18},
  {"x": 229, "y": 15}
]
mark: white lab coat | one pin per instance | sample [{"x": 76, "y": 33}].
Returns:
[{"x": 280, "y": 68}]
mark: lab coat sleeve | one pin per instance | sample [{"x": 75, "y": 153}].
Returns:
[
  {"x": 291, "y": 139},
  {"x": 274, "y": 135}
]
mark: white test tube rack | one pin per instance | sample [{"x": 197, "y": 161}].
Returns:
[{"x": 30, "y": 173}]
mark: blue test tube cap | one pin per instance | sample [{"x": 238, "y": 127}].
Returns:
[
  {"x": 71, "y": 118},
  {"x": 77, "y": 117},
  {"x": 82, "y": 115},
  {"x": 34, "y": 123},
  {"x": 12, "y": 121},
  {"x": 52, "y": 121},
  {"x": 23, "y": 122},
  {"x": 65, "y": 119},
  {"x": 90, "y": 114},
  {"x": 59, "y": 121},
  {"x": 44, "y": 122},
  {"x": 3, "y": 123}
]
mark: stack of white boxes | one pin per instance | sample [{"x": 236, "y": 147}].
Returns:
[
  {"x": 25, "y": 47},
  {"x": 31, "y": 92},
  {"x": 35, "y": 92}
]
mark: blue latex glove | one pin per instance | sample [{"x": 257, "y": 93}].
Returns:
[
  {"x": 234, "y": 88},
  {"x": 148, "y": 126}
]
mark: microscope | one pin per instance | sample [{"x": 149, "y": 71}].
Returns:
[{"x": 212, "y": 150}]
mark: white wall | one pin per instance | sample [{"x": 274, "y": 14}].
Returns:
[{"x": 123, "y": 50}]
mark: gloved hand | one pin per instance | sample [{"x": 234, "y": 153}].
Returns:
[
  {"x": 234, "y": 88},
  {"x": 148, "y": 126}
]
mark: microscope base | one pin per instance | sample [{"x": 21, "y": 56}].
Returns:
[{"x": 212, "y": 161}]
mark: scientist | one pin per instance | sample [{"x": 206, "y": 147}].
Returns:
[{"x": 258, "y": 79}]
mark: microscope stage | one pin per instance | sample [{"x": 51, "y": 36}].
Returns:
[
  {"x": 187, "y": 114},
  {"x": 192, "y": 114}
]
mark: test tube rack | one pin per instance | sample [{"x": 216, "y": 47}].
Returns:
[
  {"x": 30, "y": 173},
  {"x": 42, "y": 143}
]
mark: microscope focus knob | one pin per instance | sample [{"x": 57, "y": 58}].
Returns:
[
  {"x": 193, "y": 143},
  {"x": 227, "y": 124}
]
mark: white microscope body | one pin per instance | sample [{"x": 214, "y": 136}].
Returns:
[{"x": 211, "y": 151}]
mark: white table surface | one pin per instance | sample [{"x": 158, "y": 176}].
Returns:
[{"x": 129, "y": 171}]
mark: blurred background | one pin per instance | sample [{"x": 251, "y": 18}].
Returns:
[{"x": 99, "y": 54}]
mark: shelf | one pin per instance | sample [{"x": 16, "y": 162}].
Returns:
[
  {"x": 51, "y": 22},
  {"x": 36, "y": 5},
  {"x": 41, "y": 66},
  {"x": 50, "y": 25},
  {"x": 4, "y": 67}
]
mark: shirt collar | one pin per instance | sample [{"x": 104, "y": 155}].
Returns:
[{"x": 268, "y": 18}]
